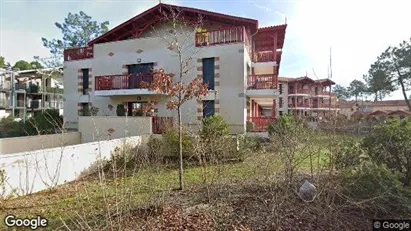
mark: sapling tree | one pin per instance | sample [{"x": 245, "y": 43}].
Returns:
[{"x": 181, "y": 86}]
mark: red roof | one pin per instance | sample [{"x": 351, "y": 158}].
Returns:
[{"x": 138, "y": 24}]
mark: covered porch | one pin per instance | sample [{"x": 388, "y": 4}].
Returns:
[{"x": 260, "y": 113}]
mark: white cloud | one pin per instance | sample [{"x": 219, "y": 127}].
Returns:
[{"x": 357, "y": 31}]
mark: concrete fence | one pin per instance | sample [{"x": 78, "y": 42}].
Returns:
[
  {"x": 29, "y": 172},
  {"x": 32, "y": 143},
  {"x": 96, "y": 128}
]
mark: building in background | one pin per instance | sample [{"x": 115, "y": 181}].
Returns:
[
  {"x": 361, "y": 109},
  {"x": 305, "y": 97},
  {"x": 27, "y": 93},
  {"x": 239, "y": 61}
]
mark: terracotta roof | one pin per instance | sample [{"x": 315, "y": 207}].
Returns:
[
  {"x": 145, "y": 19},
  {"x": 391, "y": 103},
  {"x": 400, "y": 113}
]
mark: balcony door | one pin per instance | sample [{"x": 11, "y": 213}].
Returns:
[{"x": 136, "y": 69}]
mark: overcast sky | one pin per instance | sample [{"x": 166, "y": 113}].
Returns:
[{"x": 356, "y": 30}]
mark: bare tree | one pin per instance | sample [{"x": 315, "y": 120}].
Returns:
[{"x": 180, "y": 40}]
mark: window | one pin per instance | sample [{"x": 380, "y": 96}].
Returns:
[
  {"x": 281, "y": 88},
  {"x": 136, "y": 69},
  {"x": 208, "y": 72},
  {"x": 280, "y": 102},
  {"x": 85, "y": 81},
  {"x": 281, "y": 113},
  {"x": 208, "y": 108},
  {"x": 136, "y": 108}
]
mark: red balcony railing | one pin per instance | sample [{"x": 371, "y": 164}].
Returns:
[
  {"x": 292, "y": 105},
  {"x": 78, "y": 53},
  {"x": 222, "y": 36},
  {"x": 262, "y": 81},
  {"x": 260, "y": 124},
  {"x": 299, "y": 91},
  {"x": 129, "y": 81},
  {"x": 266, "y": 56},
  {"x": 160, "y": 124}
]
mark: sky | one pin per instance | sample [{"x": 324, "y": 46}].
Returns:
[{"x": 356, "y": 31}]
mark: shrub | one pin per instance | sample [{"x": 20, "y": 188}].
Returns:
[
  {"x": 349, "y": 154},
  {"x": 94, "y": 111},
  {"x": 378, "y": 190},
  {"x": 11, "y": 128},
  {"x": 171, "y": 141},
  {"x": 121, "y": 111},
  {"x": 45, "y": 123},
  {"x": 283, "y": 125},
  {"x": 214, "y": 126},
  {"x": 390, "y": 144},
  {"x": 249, "y": 126}
]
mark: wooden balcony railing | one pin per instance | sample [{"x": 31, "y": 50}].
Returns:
[
  {"x": 160, "y": 124},
  {"x": 262, "y": 81},
  {"x": 263, "y": 57},
  {"x": 299, "y": 91},
  {"x": 129, "y": 81},
  {"x": 78, "y": 53},
  {"x": 224, "y": 36},
  {"x": 293, "y": 105},
  {"x": 260, "y": 124}
]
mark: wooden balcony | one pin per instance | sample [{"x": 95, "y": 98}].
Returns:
[
  {"x": 78, "y": 53},
  {"x": 260, "y": 57},
  {"x": 268, "y": 81},
  {"x": 260, "y": 124},
  {"x": 301, "y": 104},
  {"x": 299, "y": 91},
  {"x": 116, "y": 82},
  {"x": 160, "y": 124}
]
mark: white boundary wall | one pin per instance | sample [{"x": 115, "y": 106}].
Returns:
[{"x": 29, "y": 172}]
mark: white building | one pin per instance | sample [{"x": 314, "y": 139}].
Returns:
[
  {"x": 32, "y": 91},
  {"x": 239, "y": 61}
]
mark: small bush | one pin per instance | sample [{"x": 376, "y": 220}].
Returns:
[
  {"x": 377, "y": 190},
  {"x": 390, "y": 144},
  {"x": 284, "y": 125},
  {"x": 249, "y": 126},
  {"x": 214, "y": 126},
  {"x": 349, "y": 154},
  {"x": 121, "y": 111},
  {"x": 171, "y": 141}
]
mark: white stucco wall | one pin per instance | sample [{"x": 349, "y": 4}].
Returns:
[
  {"x": 33, "y": 143},
  {"x": 29, "y": 172},
  {"x": 232, "y": 62},
  {"x": 95, "y": 128}
]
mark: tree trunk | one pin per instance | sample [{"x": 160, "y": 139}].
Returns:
[
  {"x": 180, "y": 150},
  {"x": 404, "y": 93}
]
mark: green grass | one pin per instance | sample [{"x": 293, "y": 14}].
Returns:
[{"x": 95, "y": 197}]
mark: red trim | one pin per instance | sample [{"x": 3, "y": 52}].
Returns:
[
  {"x": 260, "y": 122},
  {"x": 267, "y": 81},
  {"x": 114, "y": 82},
  {"x": 159, "y": 124},
  {"x": 188, "y": 12}
]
